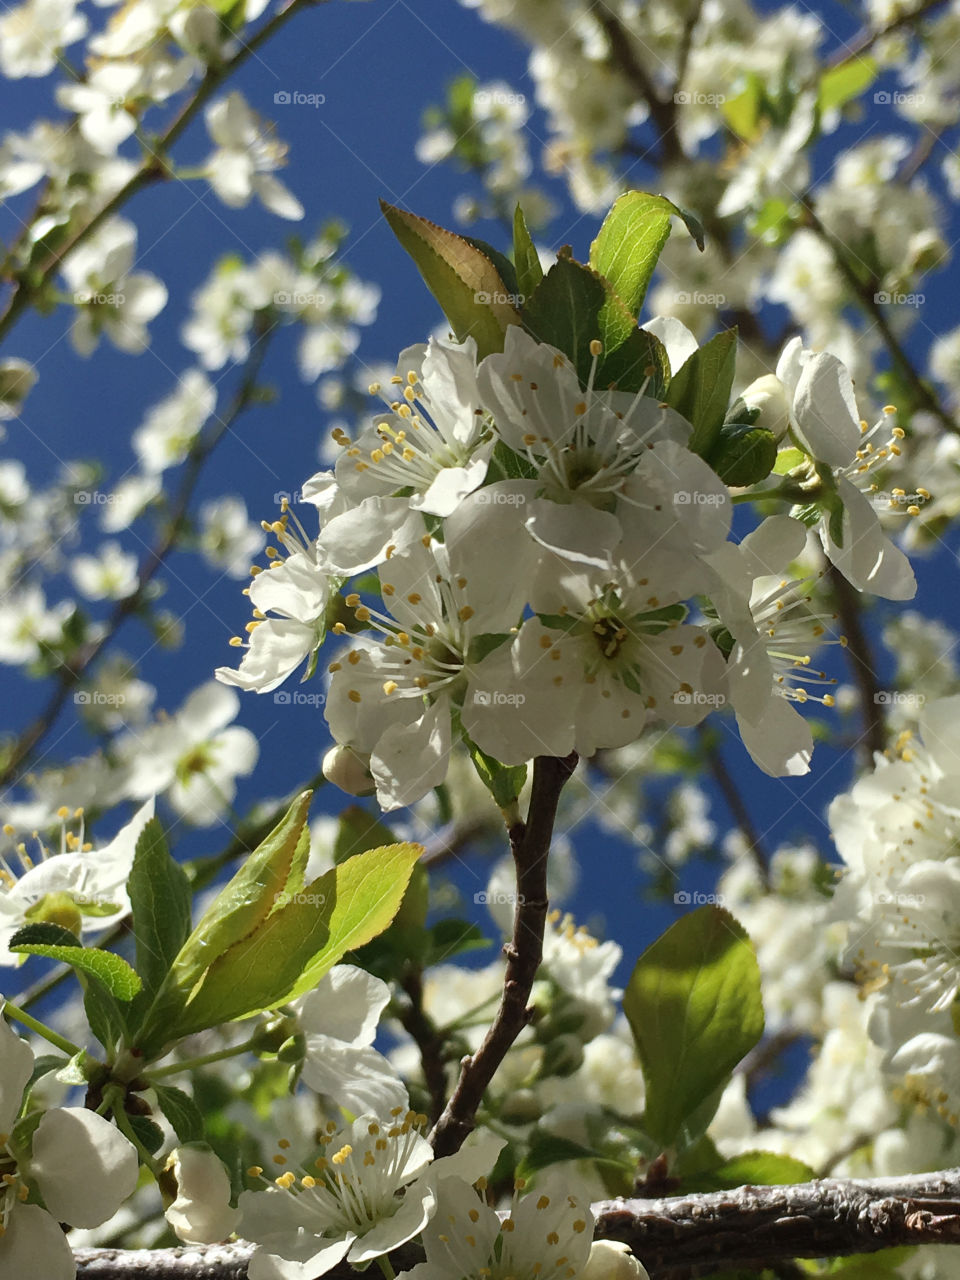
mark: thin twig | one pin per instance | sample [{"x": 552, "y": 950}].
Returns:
[
  {"x": 735, "y": 802},
  {"x": 430, "y": 1044},
  {"x": 530, "y": 845},
  {"x": 860, "y": 657}
]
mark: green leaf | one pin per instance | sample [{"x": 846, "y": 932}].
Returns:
[
  {"x": 743, "y": 111},
  {"x": 564, "y": 311},
  {"x": 273, "y": 870},
  {"x": 182, "y": 1112},
  {"x": 787, "y": 459},
  {"x": 847, "y": 80},
  {"x": 628, "y": 245},
  {"x": 700, "y": 389},
  {"x": 510, "y": 465},
  {"x": 290, "y": 951},
  {"x": 525, "y": 256},
  {"x": 546, "y": 1149},
  {"x": 147, "y": 1131},
  {"x": 750, "y": 1168},
  {"x": 508, "y": 272},
  {"x": 104, "y": 1014},
  {"x": 461, "y": 277},
  {"x": 160, "y": 896},
  {"x": 357, "y": 831},
  {"x": 504, "y": 782},
  {"x": 743, "y": 455},
  {"x": 639, "y": 357},
  {"x": 694, "y": 1007},
  {"x": 51, "y": 941},
  {"x": 449, "y": 938}
]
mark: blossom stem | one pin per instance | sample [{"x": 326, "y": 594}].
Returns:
[
  {"x": 386, "y": 1267},
  {"x": 188, "y": 1064},
  {"x": 122, "y": 1121},
  {"x": 20, "y": 1015},
  {"x": 530, "y": 846}
]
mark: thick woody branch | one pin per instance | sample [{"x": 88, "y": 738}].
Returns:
[
  {"x": 675, "y": 1237},
  {"x": 761, "y": 1226},
  {"x": 530, "y": 845}
]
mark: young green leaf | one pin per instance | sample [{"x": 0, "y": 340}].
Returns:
[
  {"x": 288, "y": 953},
  {"x": 504, "y": 782},
  {"x": 357, "y": 831},
  {"x": 628, "y": 245},
  {"x": 700, "y": 389},
  {"x": 525, "y": 256},
  {"x": 473, "y": 295},
  {"x": 160, "y": 896},
  {"x": 275, "y": 868},
  {"x": 564, "y": 311},
  {"x": 743, "y": 455},
  {"x": 694, "y": 1007},
  {"x": 847, "y": 80},
  {"x": 756, "y": 1168},
  {"x": 55, "y": 943}
]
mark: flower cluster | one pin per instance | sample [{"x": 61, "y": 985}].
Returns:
[
  {"x": 897, "y": 832},
  {"x": 625, "y": 599}
]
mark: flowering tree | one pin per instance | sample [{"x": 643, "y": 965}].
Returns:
[{"x": 574, "y": 574}]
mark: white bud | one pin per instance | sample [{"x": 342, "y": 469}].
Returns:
[
  {"x": 769, "y": 395},
  {"x": 349, "y": 770},
  {"x": 612, "y": 1260},
  {"x": 201, "y": 1213}
]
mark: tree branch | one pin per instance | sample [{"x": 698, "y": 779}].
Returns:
[
  {"x": 673, "y": 1237},
  {"x": 530, "y": 845},
  {"x": 860, "y": 657}
]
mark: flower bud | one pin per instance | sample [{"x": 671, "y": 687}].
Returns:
[
  {"x": 768, "y": 396},
  {"x": 612, "y": 1260},
  {"x": 349, "y": 770},
  {"x": 201, "y": 1212}
]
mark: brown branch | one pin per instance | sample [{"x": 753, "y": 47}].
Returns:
[
  {"x": 663, "y": 112},
  {"x": 860, "y": 657},
  {"x": 530, "y": 845},
  {"x": 865, "y": 293},
  {"x": 864, "y": 40},
  {"x": 430, "y": 1043},
  {"x": 750, "y": 1227},
  {"x": 735, "y": 803}
]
